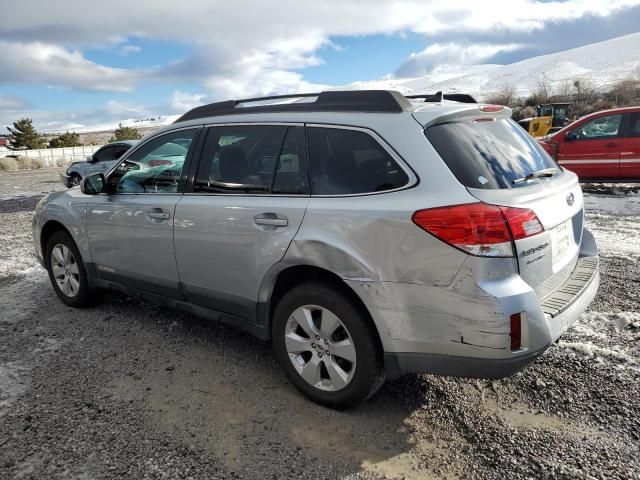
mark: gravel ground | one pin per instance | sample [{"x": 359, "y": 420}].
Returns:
[{"x": 129, "y": 390}]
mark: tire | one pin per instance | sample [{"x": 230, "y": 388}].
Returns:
[
  {"x": 320, "y": 302},
  {"x": 75, "y": 179},
  {"x": 67, "y": 261}
]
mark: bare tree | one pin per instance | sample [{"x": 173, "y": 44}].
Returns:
[
  {"x": 564, "y": 91},
  {"x": 584, "y": 96},
  {"x": 625, "y": 92},
  {"x": 506, "y": 95},
  {"x": 543, "y": 89}
]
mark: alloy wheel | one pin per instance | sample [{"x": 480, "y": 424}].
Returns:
[
  {"x": 320, "y": 348},
  {"x": 65, "y": 270}
]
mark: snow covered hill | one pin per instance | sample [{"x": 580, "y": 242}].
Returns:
[
  {"x": 600, "y": 63},
  {"x": 141, "y": 124}
]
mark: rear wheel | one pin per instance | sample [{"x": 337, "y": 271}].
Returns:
[
  {"x": 326, "y": 345},
  {"x": 66, "y": 270}
]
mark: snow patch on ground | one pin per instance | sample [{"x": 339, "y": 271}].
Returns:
[
  {"x": 12, "y": 384},
  {"x": 624, "y": 205},
  {"x": 608, "y": 337},
  {"x": 606, "y": 325},
  {"x": 595, "y": 351},
  {"x": 614, "y": 221}
]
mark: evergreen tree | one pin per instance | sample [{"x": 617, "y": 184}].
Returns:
[
  {"x": 125, "y": 133},
  {"x": 23, "y": 134},
  {"x": 68, "y": 139}
]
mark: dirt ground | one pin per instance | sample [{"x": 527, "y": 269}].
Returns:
[{"x": 126, "y": 389}]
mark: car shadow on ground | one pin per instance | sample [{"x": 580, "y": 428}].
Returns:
[
  {"x": 222, "y": 390},
  {"x": 20, "y": 204}
]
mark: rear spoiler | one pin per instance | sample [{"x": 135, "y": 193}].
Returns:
[{"x": 464, "y": 113}]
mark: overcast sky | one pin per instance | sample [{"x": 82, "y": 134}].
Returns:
[{"x": 85, "y": 63}]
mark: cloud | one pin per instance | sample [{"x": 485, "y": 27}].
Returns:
[
  {"x": 248, "y": 46},
  {"x": 41, "y": 63},
  {"x": 9, "y": 102},
  {"x": 183, "y": 101},
  {"x": 440, "y": 55}
]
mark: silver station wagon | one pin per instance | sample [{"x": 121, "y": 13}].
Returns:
[{"x": 365, "y": 234}]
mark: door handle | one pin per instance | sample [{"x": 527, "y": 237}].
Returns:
[
  {"x": 157, "y": 214},
  {"x": 611, "y": 145},
  {"x": 271, "y": 219}
]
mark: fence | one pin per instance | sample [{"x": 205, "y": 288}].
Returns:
[{"x": 58, "y": 156}]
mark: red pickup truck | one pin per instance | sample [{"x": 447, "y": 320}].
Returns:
[{"x": 603, "y": 146}]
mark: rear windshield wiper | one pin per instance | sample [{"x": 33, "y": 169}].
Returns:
[{"x": 545, "y": 172}]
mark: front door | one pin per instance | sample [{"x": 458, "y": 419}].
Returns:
[
  {"x": 250, "y": 194},
  {"x": 594, "y": 153},
  {"x": 130, "y": 228}
]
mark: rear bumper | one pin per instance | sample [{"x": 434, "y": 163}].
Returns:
[
  {"x": 463, "y": 329},
  {"x": 397, "y": 364}
]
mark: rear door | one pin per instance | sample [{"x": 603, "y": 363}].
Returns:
[
  {"x": 250, "y": 194},
  {"x": 594, "y": 153},
  {"x": 491, "y": 158},
  {"x": 630, "y": 150}
]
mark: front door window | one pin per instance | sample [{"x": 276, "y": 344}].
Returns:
[{"x": 155, "y": 167}]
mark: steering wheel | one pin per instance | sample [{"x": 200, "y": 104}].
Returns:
[{"x": 169, "y": 181}]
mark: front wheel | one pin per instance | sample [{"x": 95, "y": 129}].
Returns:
[
  {"x": 326, "y": 345},
  {"x": 66, "y": 270},
  {"x": 75, "y": 179}
]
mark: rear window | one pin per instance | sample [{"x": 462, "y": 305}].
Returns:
[{"x": 488, "y": 154}]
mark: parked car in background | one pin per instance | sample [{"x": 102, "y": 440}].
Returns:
[
  {"x": 102, "y": 159},
  {"x": 603, "y": 146},
  {"x": 364, "y": 234}
]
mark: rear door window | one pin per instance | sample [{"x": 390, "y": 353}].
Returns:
[
  {"x": 254, "y": 159},
  {"x": 633, "y": 125},
  {"x": 105, "y": 154},
  {"x": 490, "y": 154},
  {"x": 345, "y": 161},
  {"x": 120, "y": 150}
]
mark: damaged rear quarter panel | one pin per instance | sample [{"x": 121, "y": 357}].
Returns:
[{"x": 366, "y": 238}]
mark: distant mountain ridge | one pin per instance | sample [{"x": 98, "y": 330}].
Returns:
[{"x": 602, "y": 63}]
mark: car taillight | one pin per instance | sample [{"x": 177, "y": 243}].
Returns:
[
  {"x": 479, "y": 228},
  {"x": 522, "y": 222}
]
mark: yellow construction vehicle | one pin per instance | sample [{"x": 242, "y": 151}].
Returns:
[{"x": 548, "y": 116}]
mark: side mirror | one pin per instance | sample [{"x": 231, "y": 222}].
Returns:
[
  {"x": 92, "y": 184},
  {"x": 571, "y": 136}
]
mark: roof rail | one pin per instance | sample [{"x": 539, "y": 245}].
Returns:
[
  {"x": 439, "y": 96},
  {"x": 374, "y": 101}
]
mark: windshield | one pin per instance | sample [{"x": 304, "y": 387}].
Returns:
[{"x": 490, "y": 154}]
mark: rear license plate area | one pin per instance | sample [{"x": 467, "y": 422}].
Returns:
[{"x": 561, "y": 238}]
